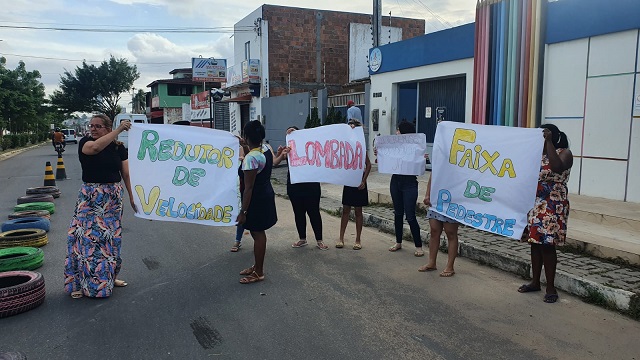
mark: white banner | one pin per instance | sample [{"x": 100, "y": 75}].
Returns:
[
  {"x": 184, "y": 174},
  {"x": 401, "y": 154},
  {"x": 332, "y": 154},
  {"x": 486, "y": 176}
]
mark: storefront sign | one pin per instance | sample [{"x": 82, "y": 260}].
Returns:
[{"x": 211, "y": 70}]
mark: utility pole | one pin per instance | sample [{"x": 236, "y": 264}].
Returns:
[{"x": 377, "y": 22}]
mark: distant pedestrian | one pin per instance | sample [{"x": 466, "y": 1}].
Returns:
[
  {"x": 353, "y": 112},
  {"x": 548, "y": 218},
  {"x": 93, "y": 245},
  {"x": 305, "y": 200},
  {"x": 355, "y": 197},
  {"x": 258, "y": 211},
  {"x": 404, "y": 194}
]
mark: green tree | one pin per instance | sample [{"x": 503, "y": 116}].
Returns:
[
  {"x": 95, "y": 88},
  {"x": 139, "y": 102},
  {"x": 21, "y": 98},
  {"x": 313, "y": 120}
]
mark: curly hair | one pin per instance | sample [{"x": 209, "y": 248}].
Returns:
[{"x": 254, "y": 131}]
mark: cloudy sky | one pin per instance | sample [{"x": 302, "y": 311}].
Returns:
[{"x": 156, "y": 53}]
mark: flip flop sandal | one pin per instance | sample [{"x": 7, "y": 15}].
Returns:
[
  {"x": 299, "y": 244},
  {"x": 395, "y": 248},
  {"x": 76, "y": 294},
  {"x": 252, "y": 278},
  {"x": 418, "y": 253},
  {"x": 248, "y": 271},
  {"x": 322, "y": 246},
  {"x": 525, "y": 288},
  {"x": 550, "y": 298},
  {"x": 357, "y": 247},
  {"x": 447, "y": 273},
  {"x": 120, "y": 283},
  {"x": 339, "y": 245},
  {"x": 427, "y": 268},
  {"x": 236, "y": 247}
]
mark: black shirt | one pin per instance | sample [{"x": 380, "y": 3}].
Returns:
[{"x": 103, "y": 167}]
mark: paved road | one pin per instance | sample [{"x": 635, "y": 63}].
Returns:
[{"x": 184, "y": 300}]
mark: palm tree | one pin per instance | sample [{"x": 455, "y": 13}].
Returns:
[{"x": 139, "y": 102}]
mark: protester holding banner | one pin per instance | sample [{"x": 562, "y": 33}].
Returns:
[
  {"x": 258, "y": 212},
  {"x": 547, "y": 221},
  {"x": 305, "y": 200},
  {"x": 356, "y": 197},
  {"x": 438, "y": 222},
  {"x": 404, "y": 193},
  {"x": 93, "y": 245}
]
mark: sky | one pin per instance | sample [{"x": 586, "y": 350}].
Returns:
[{"x": 156, "y": 53}]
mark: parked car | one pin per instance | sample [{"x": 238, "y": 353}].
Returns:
[
  {"x": 69, "y": 136},
  {"x": 134, "y": 118}
]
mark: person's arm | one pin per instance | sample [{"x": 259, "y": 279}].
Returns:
[
  {"x": 367, "y": 170},
  {"x": 127, "y": 183},
  {"x": 249, "y": 181},
  {"x": 557, "y": 163},
  {"x": 427, "y": 195},
  {"x": 94, "y": 147},
  {"x": 281, "y": 155}
]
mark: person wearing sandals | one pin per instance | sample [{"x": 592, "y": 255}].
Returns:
[
  {"x": 355, "y": 197},
  {"x": 94, "y": 238},
  {"x": 437, "y": 223},
  {"x": 547, "y": 220},
  {"x": 404, "y": 194},
  {"x": 305, "y": 200},
  {"x": 258, "y": 212}
]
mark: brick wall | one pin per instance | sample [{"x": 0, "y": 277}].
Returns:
[{"x": 294, "y": 45}]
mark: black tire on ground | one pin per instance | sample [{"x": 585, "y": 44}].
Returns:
[
  {"x": 29, "y": 213},
  {"x": 49, "y": 206},
  {"x": 23, "y": 237},
  {"x": 20, "y": 258},
  {"x": 26, "y": 223},
  {"x": 42, "y": 190},
  {"x": 35, "y": 198},
  {"x": 20, "y": 291}
]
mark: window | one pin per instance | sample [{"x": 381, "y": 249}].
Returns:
[
  {"x": 179, "y": 90},
  {"x": 247, "y": 50}
]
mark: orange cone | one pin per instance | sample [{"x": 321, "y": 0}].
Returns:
[
  {"x": 61, "y": 173},
  {"x": 49, "y": 180}
]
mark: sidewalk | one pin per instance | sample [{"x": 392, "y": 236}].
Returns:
[{"x": 599, "y": 282}]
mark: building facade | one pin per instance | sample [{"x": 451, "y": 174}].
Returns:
[
  {"x": 590, "y": 88},
  {"x": 294, "y": 50}
]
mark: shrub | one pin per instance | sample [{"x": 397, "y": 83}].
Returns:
[
  {"x": 7, "y": 142},
  {"x": 312, "y": 119}
]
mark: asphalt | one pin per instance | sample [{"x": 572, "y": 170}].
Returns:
[{"x": 613, "y": 286}]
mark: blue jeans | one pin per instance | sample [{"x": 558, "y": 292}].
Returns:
[
  {"x": 404, "y": 193},
  {"x": 239, "y": 232}
]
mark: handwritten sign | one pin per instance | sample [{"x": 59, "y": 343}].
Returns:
[
  {"x": 333, "y": 154},
  {"x": 401, "y": 154},
  {"x": 184, "y": 174},
  {"x": 486, "y": 176}
]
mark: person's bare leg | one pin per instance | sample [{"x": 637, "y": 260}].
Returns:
[
  {"x": 259, "y": 250},
  {"x": 550, "y": 260},
  {"x": 344, "y": 220},
  {"x": 435, "y": 230},
  {"x": 359, "y": 222},
  {"x": 452, "y": 238}
]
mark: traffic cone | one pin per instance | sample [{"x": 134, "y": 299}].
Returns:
[
  {"x": 49, "y": 180},
  {"x": 61, "y": 173}
]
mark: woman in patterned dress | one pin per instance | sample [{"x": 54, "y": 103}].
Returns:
[
  {"x": 548, "y": 218},
  {"x": 93, "y": 245}
]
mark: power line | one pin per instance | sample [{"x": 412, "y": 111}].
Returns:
[
  {"x": 95, "y": 61},
  {"x": 115, "y": 26},
  {"x": 220, "y": 30}
]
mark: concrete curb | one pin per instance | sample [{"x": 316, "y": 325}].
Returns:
[
  {"x": 12, "y": 153},
  {"x": 620, "y": 299}
]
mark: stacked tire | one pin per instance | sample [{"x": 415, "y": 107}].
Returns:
[
  {"x": 20, "y": 258},
  {"x": 48, "y": 206},
  {"x": 20, "y": 291},
  {"x": 23, "y": 238},
  {"x": 34, "y": 198},
  {"x": 26, "y": 223},
  {"x": 48, "y": 190},
  {"x": 30, "y": 213}
]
